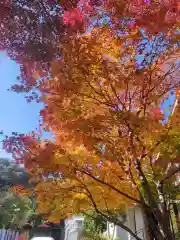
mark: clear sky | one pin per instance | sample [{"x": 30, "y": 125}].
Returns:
[{"x": 16, "y": 114}]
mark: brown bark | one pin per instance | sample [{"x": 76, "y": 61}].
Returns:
[
  {"x": 157, "y": 219},
  {"x": 153, "y": 228},
  {"x": 177, "y": 215}
]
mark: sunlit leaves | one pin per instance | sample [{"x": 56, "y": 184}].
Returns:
[
  {"x": 104, "y": 101},
  {"x": 99, "y": 97}
]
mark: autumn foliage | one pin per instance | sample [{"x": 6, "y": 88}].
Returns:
[
  {"x": 111, "y": 101},
  {"x": 32, "y": 31}
]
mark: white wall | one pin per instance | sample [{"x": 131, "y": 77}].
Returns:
[
  {"x": 73, "y": 228},
  {"x": 140, "y": 224},
  {"x": 8, "y": 234},
  {"x": 135, "y": 221}
]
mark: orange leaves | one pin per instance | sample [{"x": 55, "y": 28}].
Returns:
[
  {"x": 103, "y": 107},
  {"x": 70, "y": 18},
  {"x": 21, "y": 190},
  {"x": 156, "y": 114},
  {"x": 94, "y": 92},
  {"x": 67, "y": 198}
]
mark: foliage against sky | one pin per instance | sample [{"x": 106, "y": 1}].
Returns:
[
  {"x": 103, "y": 96},
  {"x": 31, "y": 31}
]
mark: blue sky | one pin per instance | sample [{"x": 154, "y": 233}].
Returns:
[{"x": 16, "y": 114}]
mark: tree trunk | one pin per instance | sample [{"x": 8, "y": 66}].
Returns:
[
  {"x": 158, "y": 220},
  {"x": 177, "y": 216},
  {"x": 155, "y": 230}
]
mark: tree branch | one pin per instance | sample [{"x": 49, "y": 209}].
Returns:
[
  {"x": 110, "y": 186},
  {"x": 170, "y": 174},
  {"x": 109, "y": 218}
]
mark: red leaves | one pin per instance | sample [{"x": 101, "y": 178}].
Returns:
[
  {"x": 77, "y": 15},
  {"x": 73, "y": 16},
  {"x": 171, "y": 16},
  {"x": 152, "y": 15},
  {"x": 161, "y": 13},
  {"x": 156, "y": 114},
  {"x": 18, "y": 144},
  {"x": 168, "y": 3},
  {"x": 137, "y": 7},
  {"x": 86, "y": 5},
  {"x": 68, "y": 4}
]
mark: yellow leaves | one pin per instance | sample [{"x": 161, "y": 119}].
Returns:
[
  {"x": 74, "y": 192},
  {"x": 100, "y": 109},
  {"x": 106, "y": 42},
  {"x": 95, "y": 69},
  {"x": 80, "y": 196},
  {"x": 78, "y": 155}
]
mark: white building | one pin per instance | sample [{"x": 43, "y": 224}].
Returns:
[
  {"x": 134, "y": 220},
  {"x": 73, "y": 228}
]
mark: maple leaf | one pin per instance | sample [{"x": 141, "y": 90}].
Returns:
[{"x": 73, "y": 16}]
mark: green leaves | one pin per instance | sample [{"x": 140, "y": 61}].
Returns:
[
  {"x": 14, "y": 211},
  {"x": 94, "y": 224}
]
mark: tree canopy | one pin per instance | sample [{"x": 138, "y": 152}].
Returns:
[
  {"x": 32, "y": 31},
  {"x": 111, "y": 100}
]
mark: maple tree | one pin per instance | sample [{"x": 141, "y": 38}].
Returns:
[
  {"x": 31, "y": 31},
  {"x": 114, "y": 144},
  {"x": 104, "y": 102}
]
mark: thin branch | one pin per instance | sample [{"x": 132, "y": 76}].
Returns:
[
  {"x": 111, "y": 219},
  {"x": 110, "y": 186},
  {"x": 170, "y": 174}
]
